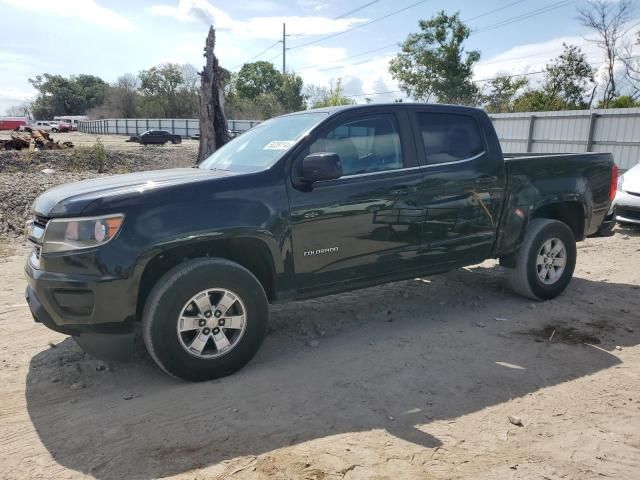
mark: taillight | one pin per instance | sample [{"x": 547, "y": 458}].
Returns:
[{"x": 614, "y": 182}]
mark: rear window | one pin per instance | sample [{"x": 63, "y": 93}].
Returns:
[{"x": 449, "y": 137}]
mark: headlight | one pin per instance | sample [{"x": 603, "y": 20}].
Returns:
[
  {"x": 65, "y": 234},
  {"x": 620, "y": 182}
]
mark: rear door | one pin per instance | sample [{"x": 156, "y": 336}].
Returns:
[
  {"x": 463, "y": 185},
  {"x": 366, "y": 223}
]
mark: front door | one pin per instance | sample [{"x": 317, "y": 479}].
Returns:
[{"x": 367, "y": 222}]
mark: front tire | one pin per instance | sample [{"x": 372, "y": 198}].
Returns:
[
  {"x": 205, "y": 319},
  {"x": 546, "y": 260}
]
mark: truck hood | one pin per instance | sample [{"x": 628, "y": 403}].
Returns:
[{"x": 72, "y": 198}]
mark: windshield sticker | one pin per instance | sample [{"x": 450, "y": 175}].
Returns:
[{"x": 279, "y": 145}]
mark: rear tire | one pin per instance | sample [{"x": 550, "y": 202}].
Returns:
[
  {"x": 539, "y": 273},
  {"x": 174, "y": 345}
]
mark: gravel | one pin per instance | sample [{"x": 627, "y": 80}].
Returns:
[{"x": 22, "y": 178}]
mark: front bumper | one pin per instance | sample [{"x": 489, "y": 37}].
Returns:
[
  {"x": 627, "y": 207},
  {"x": 75, "y": 304}
]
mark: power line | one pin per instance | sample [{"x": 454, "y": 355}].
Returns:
[
  {"x": 351, "y": 12},
  {"x": 361, "y": 7},
  {"x": 495, "y": 10},
  {"x": 274, "y": 57},
  {"x": 505, "y": 22},
  {"x": 327, "y": 37},
  {"x": 257, "y": 55},
  {"x": 523, "y": 16}
]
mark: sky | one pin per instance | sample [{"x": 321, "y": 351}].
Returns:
[{"x": 326, "y": 39}]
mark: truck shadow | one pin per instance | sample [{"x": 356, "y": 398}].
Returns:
[{"x": 393, "y": 358}]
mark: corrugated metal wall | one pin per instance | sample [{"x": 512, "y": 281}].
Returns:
[
  {"x": 615, "y": 130},
  {"x": 134, "y": 126}
]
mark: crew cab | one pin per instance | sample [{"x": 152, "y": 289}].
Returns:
[{"x": 301, "y": 206}]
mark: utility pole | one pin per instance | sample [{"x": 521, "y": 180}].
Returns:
[{"x": 284, "y": 48}]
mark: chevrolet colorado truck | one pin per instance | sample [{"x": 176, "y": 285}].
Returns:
[{"x": 303, "y": 205}]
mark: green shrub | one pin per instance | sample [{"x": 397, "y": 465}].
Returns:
[{"x": 100, "y": 154}]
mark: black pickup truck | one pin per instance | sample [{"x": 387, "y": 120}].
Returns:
[{"x": 301, "y": 206}]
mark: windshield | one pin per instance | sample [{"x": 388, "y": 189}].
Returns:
[{"x": 260, "y": 147}]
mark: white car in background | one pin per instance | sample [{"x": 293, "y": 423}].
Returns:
[
  {"x": 41, "y": 125},
  {"x": 627, "y": 202}
]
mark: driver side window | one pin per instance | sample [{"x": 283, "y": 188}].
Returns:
[{"x": 366, "y": 145}]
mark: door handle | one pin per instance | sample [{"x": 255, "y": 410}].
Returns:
[{"x": 485, "y": 180}]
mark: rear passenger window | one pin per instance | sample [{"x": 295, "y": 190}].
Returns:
[{"x": 449, "y": 137}]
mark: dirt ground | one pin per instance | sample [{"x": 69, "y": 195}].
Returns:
[
  {"x": 118, "y": 142},
  {"x": 24, "y": 175},
  {"x": 415, "y": 379}
]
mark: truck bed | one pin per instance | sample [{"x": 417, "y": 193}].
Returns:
[{"x": 535, "y": 179}]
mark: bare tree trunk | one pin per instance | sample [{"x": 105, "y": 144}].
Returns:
[{"x": 214, "y": 131}]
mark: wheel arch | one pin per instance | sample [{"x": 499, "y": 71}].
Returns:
[
  {"x": 251, "y": 253},
  {"x": 570, "y": 212}
]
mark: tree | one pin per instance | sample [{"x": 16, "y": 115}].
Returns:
[
  {"x": 170, "y": 90},
  {"x": 328, "y": 97},
  {"x": 624, "y": 101},
  {"x": 568, "y": 85},
  {"x": 22, "y": 110},
  {"x": 632, "y": 70},
  {"x": 122, "y": 99},
  {"x": 607, "y": 20},
  {"x": 434, "y": 63},
  {"x": 257, "y": 78},
  {"x": 537, "y": 101},
  {"x": 214, "y": 129},
  {"x": 290, "y": 93},
  {"x": 261, "y": 83},
  {"x": 58, "y": 95},
  {"x": 570, "y": 78},
  {"x": 502, "y": 91}
]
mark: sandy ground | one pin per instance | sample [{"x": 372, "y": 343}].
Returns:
[{"x": 415, "y": 379}]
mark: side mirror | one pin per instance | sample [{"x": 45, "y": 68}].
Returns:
[{"x": 321, "y": 166}]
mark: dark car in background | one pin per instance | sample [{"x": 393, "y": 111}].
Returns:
[{"x": 156, "y": 137}]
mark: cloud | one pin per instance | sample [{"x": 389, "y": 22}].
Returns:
[
  {"x": 362, "y": 79},
  {"x": 315, "y": 5},
  {"x": 86, "y": 10},
  {"x": 16, "y": 95},
  {"x": 268, "y": 28},
  {"x": 195, "y": 10}
]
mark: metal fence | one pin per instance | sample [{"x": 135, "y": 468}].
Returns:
[
  {"x": 615, "y": 130},
  {"x": 135, "y": 126}
]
